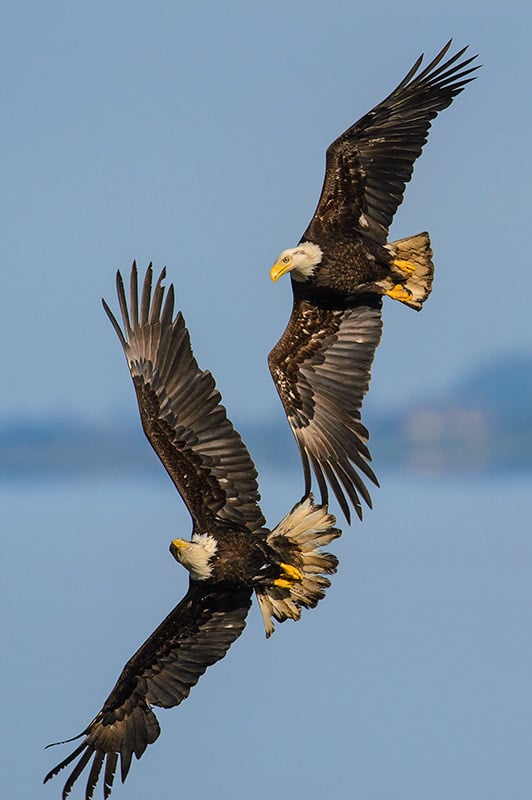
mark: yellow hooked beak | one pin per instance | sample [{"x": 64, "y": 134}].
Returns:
[
  {"x": 280, "y": 268},
  {"x": 176, "y": 545}
]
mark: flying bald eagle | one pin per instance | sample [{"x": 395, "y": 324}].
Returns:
[
  {"x": 230, "y": 554},
  {"x": 340, "y": 271}
]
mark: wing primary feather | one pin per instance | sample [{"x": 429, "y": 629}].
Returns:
[
  {"x": 168, "y": 309},
  {"x": 157, "y": 298},
  {"x": 430, "y": 69},
  {"x": 436, "y": 60},
  {"x": 125, "y": 762},
  {"x": 339, "y": 492},
  {"x": 134, "y": 294},
  {"x": 76, "y": 772},
  {"x": 66, "y": 761},
  {"x": 173, "y": 350},
  {"x": 352, "y": 482},
  {"x": 146, "y": 296},
  {"x": 458, "y": 84},
  {"x": 322, "y": 484},
  {"x": 109, "y": 775},
  {"x": 114, "y": 323},
  {"x": 329, "y": 472},
  {"x": 94, "y": 773},
  {"x": 412, "y": 71},
  {"x": 444, "y": 69},
  {"x": 120, "y": 291},
  {"x": 306, "y": 468}
]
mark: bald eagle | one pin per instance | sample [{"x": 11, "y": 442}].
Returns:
[
  {"x": 341, "y": 269},
  {"x": 230, "y": 555}
]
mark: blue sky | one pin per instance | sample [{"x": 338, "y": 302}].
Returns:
[{"x": 193, "y": 135}]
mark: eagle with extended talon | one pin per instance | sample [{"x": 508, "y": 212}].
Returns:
[
  {"x": 343, "y": 267},
  {"x": 230, "y": 554}
]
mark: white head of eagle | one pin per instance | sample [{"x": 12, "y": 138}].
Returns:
[
  {"x": 301, "y": 261},
  {"x": 195, "y": 554}
]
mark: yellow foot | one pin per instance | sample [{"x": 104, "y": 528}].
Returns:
[
  {"x": 283, "y": 584},
  {"x": 291, "y": 572},
  {"x": 399, "y": 292},
  {"x": 289, "y": 576},
  {"x": 405, "y": 266}
]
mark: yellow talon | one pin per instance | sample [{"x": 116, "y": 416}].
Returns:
[
  {"x": 289, "y": 576},
  {"x": 291, "y": 572},
  {"x": 284, "y": 584},
  {"x": 399, "y": 293},
  {"x": 406, "y": 266}
]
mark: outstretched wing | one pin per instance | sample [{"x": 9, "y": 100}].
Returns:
[
  {"x": 369, "y": 165},
  {"x": 181, "y": 411},
  {"x": 321, "y": 367},
  {"x": 196, "y": 634}
]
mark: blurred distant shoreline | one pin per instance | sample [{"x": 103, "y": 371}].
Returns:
[{"x": 484, "y": 425}]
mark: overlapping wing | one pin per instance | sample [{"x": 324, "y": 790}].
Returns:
[
  {"x": 321, "y": 367},
  {"x": 196, "y": 634},
  {"x": 369, "y": 165},
  {"x": 181, "y": 411}
]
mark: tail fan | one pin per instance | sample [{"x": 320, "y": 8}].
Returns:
[
  {"x": 412, "y": 270},
  {"x": 298, "y": 539}
]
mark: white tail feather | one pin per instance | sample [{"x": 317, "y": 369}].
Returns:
[
  {"x": 413, "y": 271},
  {"x": 299, "y": 536}
]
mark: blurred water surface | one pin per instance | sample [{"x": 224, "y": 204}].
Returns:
[{"x": 411, "y": 680}]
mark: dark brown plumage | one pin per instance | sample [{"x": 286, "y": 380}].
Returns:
[
  {"x": 230, "y": 554},
  {"x": 340, "y": 271}
]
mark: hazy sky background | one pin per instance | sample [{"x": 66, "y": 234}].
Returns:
[{"x": 194, "y": 134}]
